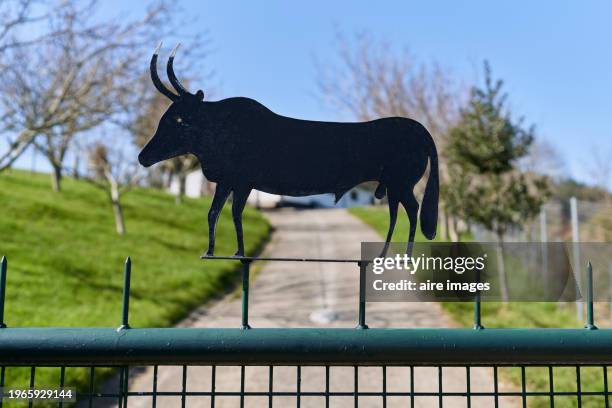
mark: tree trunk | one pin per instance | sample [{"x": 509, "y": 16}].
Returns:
[
  {"x": 119, "y": 222},
  {"x": 443, "y": 225},
  {"x": 501, "y": 268},
  {"x": 56, "y": 178},
  {"x": 168, "y": 179},
  {"x": 117, "y": 209},
  {"x": 75, "y": 169},
  {"x": 182, "y": 187},
  {"x": 16, "y": 149},
  {"x": 452, "y": 229}
]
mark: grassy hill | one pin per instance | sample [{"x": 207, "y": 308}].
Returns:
[{"x": 66, "y": 261}]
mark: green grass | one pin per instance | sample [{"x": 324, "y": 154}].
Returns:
[
  {"x": 515, "y": 314},
  {"x": 66, "y": 260},
  {"x": 494, "y": 314},
  {"x": 378, "y": 218}
]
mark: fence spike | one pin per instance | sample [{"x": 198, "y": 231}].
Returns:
[
  {"x": 590, "y": 317},
  {"x": 126, "y": 294},
  {"x": 477, "y": 312},
  {"x": 246, "y": 264},
  {"x": 3, "y": 264},
  {"x": 361, "y": 324}
]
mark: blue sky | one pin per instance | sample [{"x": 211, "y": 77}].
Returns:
[{"x": 554, "y": 56}]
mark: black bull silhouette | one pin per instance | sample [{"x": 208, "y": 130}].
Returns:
[{"x": 242, "y": 145}]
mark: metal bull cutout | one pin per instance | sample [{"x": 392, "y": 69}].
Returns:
[{"x": 242, "y": 145}]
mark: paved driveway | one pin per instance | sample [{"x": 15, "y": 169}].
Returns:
[{"x": 307, "y": 295}]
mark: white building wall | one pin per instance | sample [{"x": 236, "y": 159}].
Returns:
[
  {"x": 263, "y": 200},
  {"x": 193, "y": 185}
]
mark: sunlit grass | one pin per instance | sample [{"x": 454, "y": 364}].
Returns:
[{"x": 66, "y": 260}]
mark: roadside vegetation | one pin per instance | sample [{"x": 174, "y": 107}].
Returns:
[{"x": 509, "y": 315}]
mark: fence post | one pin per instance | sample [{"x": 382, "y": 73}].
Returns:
[
  {"x": 544, "y": 247},
  {"x": 2, "y": 290},
  {"x": 362, "y": 288},
  {"x": 610, "y": 286},
  {"x": 477, "y": 311},
  {"x": 245, "y": 292},
  {"x": 576, "y": 254},
  {"x": 590, "y": 317},
  {"x": 126, "y": 294}
]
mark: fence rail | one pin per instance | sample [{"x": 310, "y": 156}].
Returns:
[
  {"x": 192, "y": 350},
  {"x": 197, "y": 346}
]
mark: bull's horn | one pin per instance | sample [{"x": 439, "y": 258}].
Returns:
[
  {"x": 174, "y": 50},
  {"x": 156, "y": 81},
  {"x": 170, "y": 70}
]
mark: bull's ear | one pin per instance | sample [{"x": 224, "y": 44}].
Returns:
[{"x": 200, "y": 94}]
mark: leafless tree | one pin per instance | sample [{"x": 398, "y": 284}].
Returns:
[
  {"x": 370, "y": 79},
  {"x": 141, "y": 124},
  {"x": 111, "y": 170},
  {"x": 76, "y": 79},
  {"x": 15, "y": 16},
  {"x": 544, "y": 159},
  {"x": 599, "y": 169}
]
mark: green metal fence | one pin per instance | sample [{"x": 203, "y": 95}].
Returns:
[{"x": 535, "y": 359}]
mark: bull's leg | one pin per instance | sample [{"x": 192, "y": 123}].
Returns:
[
  {"x": 240, "y": 199},
  {"x": 412, "y": 209},
  {"x": 221, "y": 194},
  {"x": 393, "y": 204}
]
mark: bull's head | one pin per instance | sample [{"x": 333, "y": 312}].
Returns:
[{"x": 178, "y": 127}]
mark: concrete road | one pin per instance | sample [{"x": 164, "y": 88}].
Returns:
[{"x": 307, "y": 295}]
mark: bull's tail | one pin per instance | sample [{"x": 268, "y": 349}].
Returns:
[{"x": 429, "y": 206}]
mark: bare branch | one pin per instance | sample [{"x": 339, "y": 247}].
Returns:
[
  {"x": 369, "y": 80},
  {"x": 77, "y": 78}
]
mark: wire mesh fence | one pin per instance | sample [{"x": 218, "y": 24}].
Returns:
[
  {"x": 555, "y": 222},
  {"x": 572, "y": 220},
  {"x": 336, "y": 386},
  {"x": 257, "y": 367}
]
